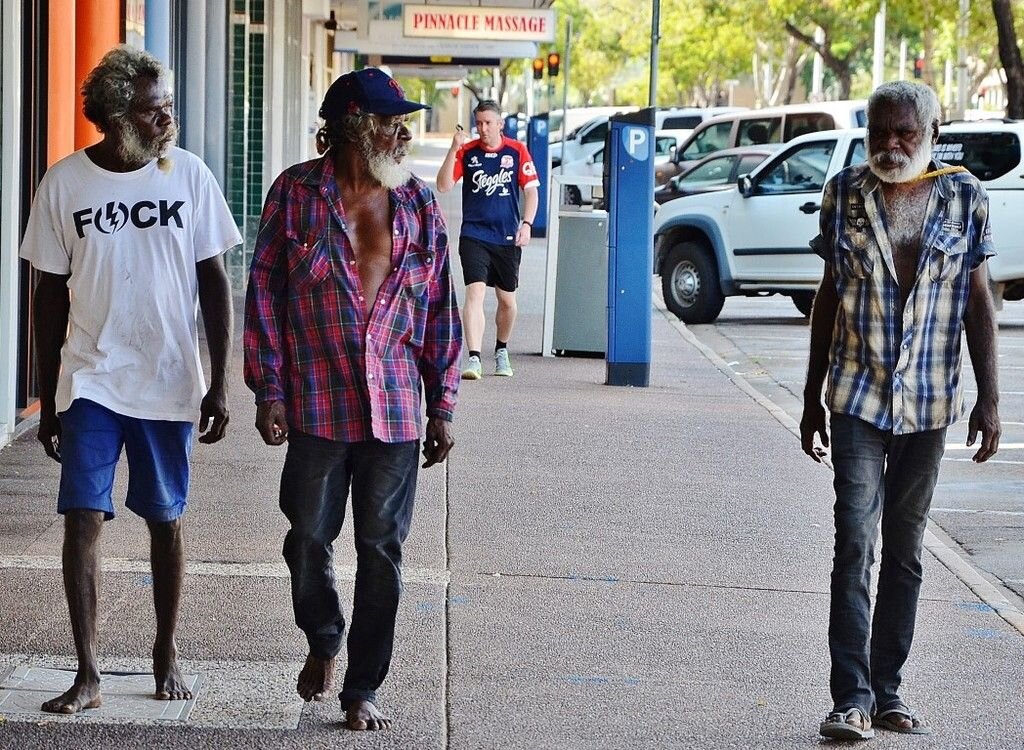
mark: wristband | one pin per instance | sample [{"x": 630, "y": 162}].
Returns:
[{"x": 527, "y": 223}]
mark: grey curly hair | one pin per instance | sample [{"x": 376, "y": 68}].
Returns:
[
  {"x": 356, "y": 128},
  {"x": 109, "y": 88},
  {"x": 922, "y": 98}
]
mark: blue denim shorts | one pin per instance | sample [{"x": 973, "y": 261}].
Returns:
[{"x": 158, "y": 462}]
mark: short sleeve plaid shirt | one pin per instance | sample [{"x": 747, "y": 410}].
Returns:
[
  {"x": 342, "y": 374},
  {"x": 896, "y": 368}
]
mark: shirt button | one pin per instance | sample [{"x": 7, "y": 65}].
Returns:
[
  {"x": 396, "y": 233},
  {"x": 361, "y": 298},
  {"x": 370, "y": 376},
  {"x": 351, "y": 262}
]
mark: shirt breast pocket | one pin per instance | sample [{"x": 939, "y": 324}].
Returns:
[
  {"x": 415, "y": 293},
  {"x": 855, "y": 259},
  {"x": 309, "y": 264},
  {"x": 947, "y": 257}
]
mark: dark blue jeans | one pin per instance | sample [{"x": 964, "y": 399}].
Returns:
[
  {"x": 314, "y": 487},
  {"x": 892, "y": 477}
]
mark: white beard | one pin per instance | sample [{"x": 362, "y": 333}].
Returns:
[
  {"x": 386, "y": 170},
  {"x": 906, "y": 170},
  {"x": 133, "y": 150}
]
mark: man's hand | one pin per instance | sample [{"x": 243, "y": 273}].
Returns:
[
  {"x": 215, "y": 407},
  {"x": 813, "y": 423},
  {"x": 984, "y": 419},
  {"x": 438, "y": 442},
  {"x": 271, "y": 422},
  {"x": 49, "y": 435},
  {"x": 523, "y": 235},
  {"x": 460, "y": 138}
]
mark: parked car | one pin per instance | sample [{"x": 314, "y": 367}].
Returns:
[
  {"x": 584, "y": 141},
  {"x": 688, "y": 118},
  {"x": 592, "y": 166},
  {"x": 719, "y": 171},
  {"x": 754, "y": 240},
  {"x": 759, "y": 126},
  {"x": 576, "y": 116}
]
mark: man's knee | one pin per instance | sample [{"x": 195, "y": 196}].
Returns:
[{"x": 82, "y": 524}]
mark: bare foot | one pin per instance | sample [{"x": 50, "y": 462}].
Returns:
[
  {"x": 316, "y": 680},
  {"x": 363, "y": 715},
  {"x": 81, "y": 695},
  {"x": 170, "y": 685}
]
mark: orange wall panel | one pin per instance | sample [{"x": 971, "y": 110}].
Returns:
[
  {"x": 98, "y": 29},
  {"x": 61, "y": 92}
]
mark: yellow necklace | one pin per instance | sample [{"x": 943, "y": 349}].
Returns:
[{"x": 937, "y": 172}]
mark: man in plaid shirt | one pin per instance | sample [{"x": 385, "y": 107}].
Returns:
[
  {"x": 350, "y": 308},
  {"x": 904, "y": 239}
]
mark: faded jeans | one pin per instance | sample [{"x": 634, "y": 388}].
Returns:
[
  {"x": 878, "y": 475},
  {"x": 315, "y": 485}
]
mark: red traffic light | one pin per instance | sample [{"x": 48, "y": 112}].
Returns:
[
  {"x": 538, "y": 69},
  {"x": 554, "y": 60}
]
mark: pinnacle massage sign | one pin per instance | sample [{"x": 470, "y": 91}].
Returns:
[{"x": 462, "y": 22}]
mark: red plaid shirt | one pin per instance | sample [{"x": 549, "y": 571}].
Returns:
[{"x": 344, "y": 375}]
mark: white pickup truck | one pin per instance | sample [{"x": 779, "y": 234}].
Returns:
[{"x": 753, "y": 240}]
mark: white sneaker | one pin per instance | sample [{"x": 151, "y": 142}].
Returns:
[
  {"x": 474, "y": 370},
  {"x": 502, "y": 363}
]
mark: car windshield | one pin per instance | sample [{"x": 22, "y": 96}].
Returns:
[
  {"x": 664, "y": 145},
  {"x": 713, "y": 138},
  {"x": 712, "y": 172},
  {"x": 681, "y": 122},
  {"x": 987, "y": 155},
  {"x": 802, "y": 171}
]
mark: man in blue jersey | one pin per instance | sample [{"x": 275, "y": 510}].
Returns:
[{"x": 494, "y": 230}]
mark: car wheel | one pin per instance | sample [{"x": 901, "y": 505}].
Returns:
[
  {"x": 804, "y": 301},
  {"x": 573, "y": 197},
  {"x": 689, "y": 282}
]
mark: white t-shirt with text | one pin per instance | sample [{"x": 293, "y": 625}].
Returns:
[{"x": 130, "y": 242}]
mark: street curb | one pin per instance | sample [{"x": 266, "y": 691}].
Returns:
[{"x": 941, "y": 547}]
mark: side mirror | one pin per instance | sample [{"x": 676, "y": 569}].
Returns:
[{"x": 745, "y": 185}]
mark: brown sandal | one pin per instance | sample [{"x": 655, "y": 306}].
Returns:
[
  {"x": 851, "y": 724},
  {"x": 893, "y": 720}
]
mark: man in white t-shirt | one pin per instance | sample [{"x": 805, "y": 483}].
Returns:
[{"x": 127, "y": 236}]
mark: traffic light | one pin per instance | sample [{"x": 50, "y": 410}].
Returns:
[
  {"x": 918, "y": 67},
  {"x": 538, "y": 69},
  {"x": 554, "y": 60}
]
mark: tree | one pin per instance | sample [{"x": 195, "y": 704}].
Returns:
[
  {"x": 848, "y": 28},
  {"x": 1009, "y": 55}
]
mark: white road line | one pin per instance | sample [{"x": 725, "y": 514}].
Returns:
[
  {"x": 979, "y": 510},
  {"x": 226, "y": 569},
  {"x": 1002, "y": 447},
  {"x": 990, "y": 461}
]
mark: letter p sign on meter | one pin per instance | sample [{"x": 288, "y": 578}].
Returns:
[
  {"x": 629, "y": 187},
  {"x": 637, "y": 142}
]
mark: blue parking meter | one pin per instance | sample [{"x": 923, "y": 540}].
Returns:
[
  {"x": 629, "y": 191},
  {"x": 511, "y": 128},
  {"x": 537, "y": 145}
]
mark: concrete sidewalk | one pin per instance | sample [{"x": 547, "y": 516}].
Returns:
[{"x": 595, "y": 567}]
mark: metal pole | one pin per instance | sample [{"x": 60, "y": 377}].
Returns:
[
  {"x": 565, "y": 73},
  {"x": 961, "y": 60},
  {"x": 878, "y": 69},
  {"x": 652, "y": 96},
  {"x": 903, "y": 60}
]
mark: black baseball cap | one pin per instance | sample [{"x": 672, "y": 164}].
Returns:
[{"x": 367, "y": 90}]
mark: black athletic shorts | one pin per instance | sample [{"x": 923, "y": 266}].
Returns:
[{"x": 495, "y": 265}]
